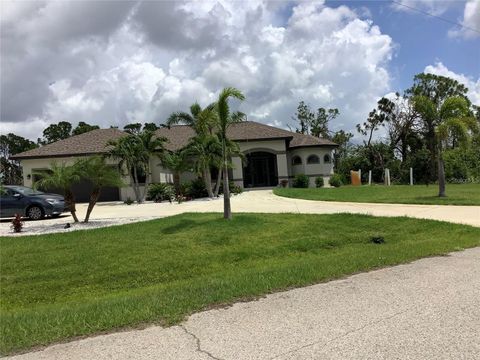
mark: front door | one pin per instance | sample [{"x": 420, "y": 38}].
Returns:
[{"x": 260, "y": 170}]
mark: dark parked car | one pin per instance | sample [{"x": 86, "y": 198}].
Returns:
[{"x": 31, "y": 203}]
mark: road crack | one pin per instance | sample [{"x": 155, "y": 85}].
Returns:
[{"x": 198, "y": 343}]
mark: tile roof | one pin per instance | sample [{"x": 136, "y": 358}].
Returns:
[
  {"x": 301, "y": 140},
  {"x": 92, "y": 142}
]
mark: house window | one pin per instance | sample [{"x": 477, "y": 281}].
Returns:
[
  {"x": 296, "y": 160},
  {"x": 327, "y": 159},
  {"x": 313, "y": 159}
]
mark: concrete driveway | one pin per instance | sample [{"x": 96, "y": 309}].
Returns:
[
  {"x": 264, "y": 201},
  {"x": 429, "y": 309}
]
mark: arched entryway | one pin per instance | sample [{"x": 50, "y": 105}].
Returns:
[{"x": 260, "y": 170}]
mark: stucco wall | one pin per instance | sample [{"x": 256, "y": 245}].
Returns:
[{"x": 312, "y": 170}]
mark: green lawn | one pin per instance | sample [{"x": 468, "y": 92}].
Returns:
[
  {"x": 56, "y": 287},
  {"x": 464, "y": 194}
]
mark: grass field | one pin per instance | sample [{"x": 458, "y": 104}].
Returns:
[
  {"x": 59, "y": 286},
  {"x": 457, "y": 194}
]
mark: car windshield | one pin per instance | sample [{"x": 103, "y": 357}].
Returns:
[{"x": 26, "y": 190}]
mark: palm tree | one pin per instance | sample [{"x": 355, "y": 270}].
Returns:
[
  {"x": 177, "y": 163},
  {"x": 202, "y": 149},
  {"x": 203, "y": 122},
  {"x": 225, "y": 119},
  {"x": 100, "y": 174},
  {"x": 134, "y": 152},
  {"x": 452, "y": 120},
  {"x": 63, "y": 177}
]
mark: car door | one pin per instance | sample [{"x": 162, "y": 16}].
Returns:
[{"x": 11, "y": 203}]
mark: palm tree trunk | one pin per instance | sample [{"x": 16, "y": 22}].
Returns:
[
  {"x": 219, "y": 181},
  {"x": 176, "y": 182},
  {"x": 70, "y": 201},
  {"x": 136, "y": 188},
  {"x": 147, "y": 181},
  {"x": 227, "y": 209},
  {"x": 441, "y": 177},
  {"x": 93, "y": 200},
  {"x": 207, "y": 177}
]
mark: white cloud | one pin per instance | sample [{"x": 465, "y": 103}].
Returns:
[
  {"x": 137, "y": 64},
  {"x": 472, "y": 84},
  {"x": 471, "y": 20}
]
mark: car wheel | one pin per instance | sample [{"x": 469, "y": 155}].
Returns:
[{"x": 35, "y": 213}]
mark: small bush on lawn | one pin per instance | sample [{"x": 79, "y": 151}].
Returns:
[
  {"x": 319, "y": 182},
  {"x": 160, "y": 192},
  {"x": 129, "y": 201},
  {"x": 301, "y": 181},
  {"x": 195, "y": 189},
  {"x": 335, "y": 180}
]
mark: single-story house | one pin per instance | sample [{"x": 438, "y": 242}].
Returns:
[{"x": 272, "y": 155}]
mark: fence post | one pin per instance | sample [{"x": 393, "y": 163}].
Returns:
[
  {"x": 411, "y": 176},
  {"x": 369, "y": 177},
  {"x": 360, "y": 175}
]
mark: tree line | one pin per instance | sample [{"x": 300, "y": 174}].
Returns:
[{"x": 431, "y": 127}]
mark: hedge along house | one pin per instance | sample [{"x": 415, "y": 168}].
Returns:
[{"x": 272, "y": 156}]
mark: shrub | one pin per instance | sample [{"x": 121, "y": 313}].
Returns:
[
  {"x": 195, "y": 189},
  {"x": 319, "y": 182},
  {"x": 335, "y": 180},
  {"x": 160, "y": 192},
  {"x": 234, "y": 189},
  {"x": 129, "y": 201},
  {"x": 17, "y": 223},
  {"x": 301, "y": 181}
]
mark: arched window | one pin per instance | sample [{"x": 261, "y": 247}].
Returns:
[
  {"x": 327, "y": 159},
  {"x": 296, "y": 160},
  {"x": 313, "y": 159}
]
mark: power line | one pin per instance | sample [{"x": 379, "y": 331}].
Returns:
[{"x": 435, "y": 16}]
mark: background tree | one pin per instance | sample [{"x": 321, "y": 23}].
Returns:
[
  {"x": 100, "y": 174},
  {"x": 11, "y": 144},
  {"x": 83, "y": 127},
  {"x": 63, "y": 177},
  {"x": 134, "y": 129},
  {"x": 319, "y": 126},
  {"x": 56, "y": 132},
  {"x": 150, "y": 127}
]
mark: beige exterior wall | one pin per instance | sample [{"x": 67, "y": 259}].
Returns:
[
  {"x": 312, "y": 170},
  {"x": 285, "y": 169}
]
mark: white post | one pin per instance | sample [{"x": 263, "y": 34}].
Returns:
[
  {"x": 411, "y": 176},
  {"x": 360, "y": 175},
  {"x": 388, "y": 177},
  {"x": 369, "y": 177}
]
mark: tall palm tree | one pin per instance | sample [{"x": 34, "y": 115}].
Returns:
[
  {"x": 225, "y": 119},
  {"x": 452, "y": 120},
  {"x": 100, "y": 174},
  {"x": 135, "y": 152},
  {"x": 204, "y": 123},
  {"x": 64, "y": 177}
]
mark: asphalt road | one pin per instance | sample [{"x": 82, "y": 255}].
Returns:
[{"x": 428, "y": 309}]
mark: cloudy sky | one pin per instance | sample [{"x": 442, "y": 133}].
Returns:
[{"x": 115, "y": 62}]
